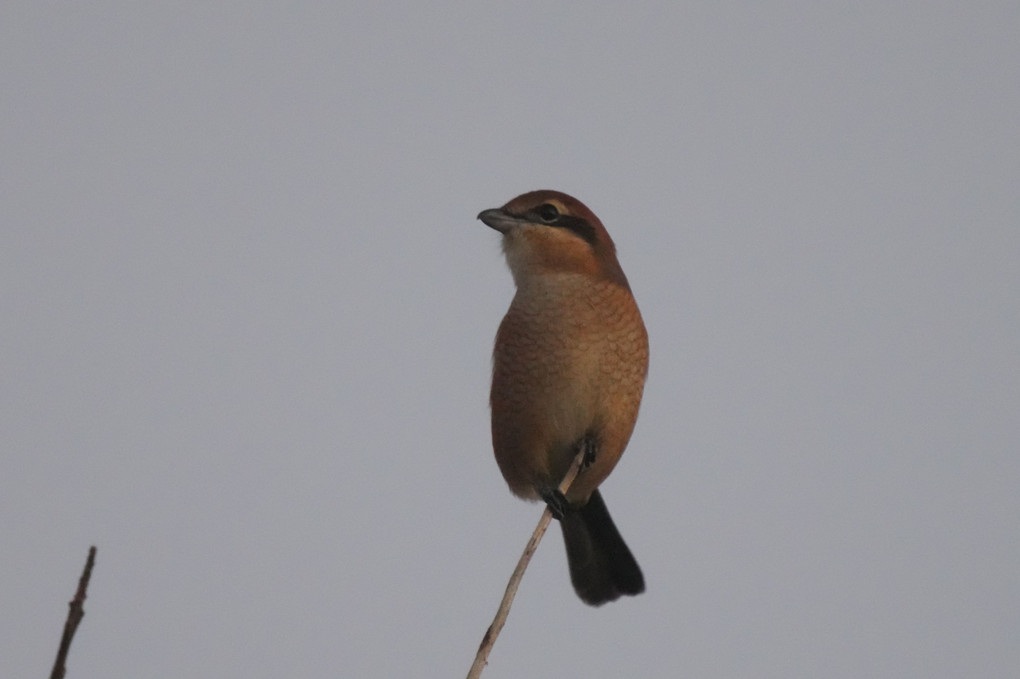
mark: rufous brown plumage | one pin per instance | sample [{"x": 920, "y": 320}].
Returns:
[{"x": 569, "y": 368}]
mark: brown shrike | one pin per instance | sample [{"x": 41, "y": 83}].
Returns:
[{"x": 568, "y": 370}]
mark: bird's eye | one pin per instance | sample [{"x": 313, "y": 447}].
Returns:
[{"x": 548, "y": 213}]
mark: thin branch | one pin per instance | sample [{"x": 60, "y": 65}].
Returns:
[
  {"x": 489, "y": 640},
  {"x": 74, "y": 617}
]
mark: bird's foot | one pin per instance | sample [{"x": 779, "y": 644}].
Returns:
[
  {"x": 557, "y": 503},
  {"x": 589, "y": 447}
]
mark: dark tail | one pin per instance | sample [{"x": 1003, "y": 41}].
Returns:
[{"x": 601, "y": 566}]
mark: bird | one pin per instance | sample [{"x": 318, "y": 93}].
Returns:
[{"x": 568, "y": 372}]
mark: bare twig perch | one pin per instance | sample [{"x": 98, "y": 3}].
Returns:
[
  {"x": 489, "y": 640},
  {"x": 74, "y": 616}
]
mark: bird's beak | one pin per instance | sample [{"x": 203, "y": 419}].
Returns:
[{"x": 498, "y": 220}]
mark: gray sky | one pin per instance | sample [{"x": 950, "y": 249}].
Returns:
[{"x": 249, "y": 312}]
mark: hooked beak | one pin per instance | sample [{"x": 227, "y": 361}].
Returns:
[{"x": 498, "y": 220}]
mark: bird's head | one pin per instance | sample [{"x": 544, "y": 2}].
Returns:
[{"x": 548, "y": 232}]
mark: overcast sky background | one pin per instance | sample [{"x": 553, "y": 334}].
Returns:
[{"x": 248, "y": 314}]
